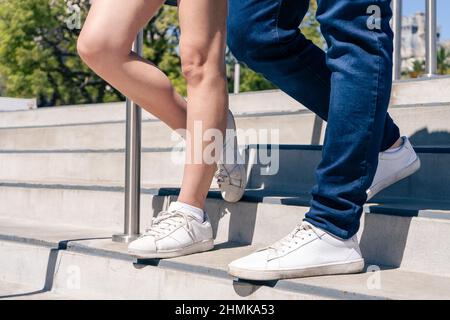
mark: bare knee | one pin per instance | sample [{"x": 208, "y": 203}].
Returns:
[
  {"x": 98, "y": 51},
  {"x": 90, "y": 48},
  {"x": 198, "y": 66}
]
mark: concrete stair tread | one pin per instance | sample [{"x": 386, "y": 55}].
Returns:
[
  {"x": 393, "y": 283},
  {"x": 47, "y": 234}
]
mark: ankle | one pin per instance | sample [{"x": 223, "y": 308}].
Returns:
[
  {"x": 194, "y": 211},
  {"x": 397, "y": 144}
]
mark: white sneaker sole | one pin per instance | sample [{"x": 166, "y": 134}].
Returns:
[
  {"x": 356, "y": 266},
  {"x": 399, "y": 175},
  {"x": 236, "y": 193},
  {"x": 193, "y": 248}
]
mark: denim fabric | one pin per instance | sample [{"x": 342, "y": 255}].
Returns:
[{"x": 349, "y": 86}]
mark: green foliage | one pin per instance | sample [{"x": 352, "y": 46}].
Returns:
[
  {"x": 443, "y": 65},
  {"x": 443, "y": 61},
  {"x": 161, "y": 45},
  {"x": 310, "y": 26},
  {"x": 418, "y": 69},
  {"x": 38, "y": 55}
]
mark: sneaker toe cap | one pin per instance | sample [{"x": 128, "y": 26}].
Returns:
[
  {"x": 255, "y": 261},
  {"x": 144, "y": 244}
]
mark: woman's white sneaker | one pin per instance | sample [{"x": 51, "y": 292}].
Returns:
[
  {"x": 394, "y": 166},
  {"x": 231, "y": 174},
  {"x": 173, "y": 233},
  {"x": 307, "y": 251}
]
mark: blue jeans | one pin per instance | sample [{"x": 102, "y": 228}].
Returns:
[{"x": 349, "y": 86}]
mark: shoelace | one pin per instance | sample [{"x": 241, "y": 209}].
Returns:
[
  {"x": 166, "y": 221},
  {"x": 299, "y": 234},
  {"x": 224, "y": 177}
]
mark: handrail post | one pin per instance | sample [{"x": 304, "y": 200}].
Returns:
[
  {"x": 237, "y": 77},
  {"x": 132, "y": 164},
  {"x": 431, "y": 39},
  {"x": 397, "y": 27}
]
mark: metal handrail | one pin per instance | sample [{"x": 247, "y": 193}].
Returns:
[
  {"x": 430, "y": 39},
  {"x": 132, "y": 164},
  {"x": 397, "y": 28}
]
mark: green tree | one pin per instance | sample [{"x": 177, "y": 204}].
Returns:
[
  {"x": 443, "y": 61},
  {"x": 161, "y": 40},
  {"x": 418, "y": 69},
  {"x": 2, "y": 86},
  {"x": 38, "y": 55}
]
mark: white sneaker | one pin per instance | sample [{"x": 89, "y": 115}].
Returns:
[
  {"x": 231, "y": 174},
  {"x": 172, "y": 234},
  {"x": 307, "y": 251},
  {"x": 394, "y": 166}
]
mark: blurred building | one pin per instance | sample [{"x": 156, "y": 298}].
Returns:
[{"x": 413, "y": 39}]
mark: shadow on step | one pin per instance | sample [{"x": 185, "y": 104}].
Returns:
[
  {"x": 425, "y": 138},
  {"x": 383, "y": 239},
  {"x": 245, "y": 288}
]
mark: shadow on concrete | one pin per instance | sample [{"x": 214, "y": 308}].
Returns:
[
  {"x": 425, "y": 138},
  {"x": 383, "y": 239},
  {"x": 245, "y": 288},
  {"x": 51, "y": 268}
]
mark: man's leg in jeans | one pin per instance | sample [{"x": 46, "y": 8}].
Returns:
[
  {"x": 360, "y": 60},
  {"x": 349, "y": 87},
  {"x": 265, "y": 35}
]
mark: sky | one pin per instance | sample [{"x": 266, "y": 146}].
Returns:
[{"x": 443, "y": 13}]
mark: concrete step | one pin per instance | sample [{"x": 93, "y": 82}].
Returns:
[
  {"x": 390, "y": 235},
  {"x": 296, "y": 173},
  {"x": 286, "y": 170},
  {"x": 245, "y": 103},
  {"x": 404, "y": 93},
  {"x": 89, "y": 166},
  {"x": 425, "y": 125},
  {"x": 87, "y": 265},
  {"x": 421, "y": 91}
]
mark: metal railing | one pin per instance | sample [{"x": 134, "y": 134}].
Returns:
[
  {"x": 430, "y": 39},
  {"x": 132, "y": 164}
]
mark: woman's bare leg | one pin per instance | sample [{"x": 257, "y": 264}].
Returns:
[
  {"x": 105, "y": 45},
  {"x": 105, "y": 42},
  {"x": 202, "y": 50}
]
